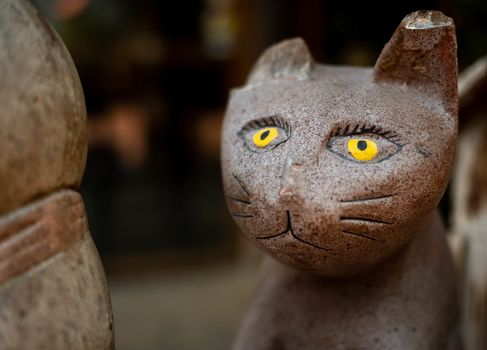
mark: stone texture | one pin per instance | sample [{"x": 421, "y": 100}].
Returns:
[
  {"x": 423, "y": 39},
  {"x": 468, "y": 236},
  {"x": 39, "y": 231},
  {"x": 53, "y": 293},
  {"x": 42, "y": 119},
  {"x": 288, "y": 60},
  {"x": 359, "y": 256}
]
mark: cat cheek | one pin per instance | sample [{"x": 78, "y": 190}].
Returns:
[{"x": 421, "y": 149}]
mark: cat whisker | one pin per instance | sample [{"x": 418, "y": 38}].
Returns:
[
  {"x": 240, "y": 200},
  {"x": 242, "y": 215},
  {"x": 241, "y": 184},
  {"x": 361, "y": 235},
  {"x": 366, "y": 199},
  {"x": 375, "y": 221}
]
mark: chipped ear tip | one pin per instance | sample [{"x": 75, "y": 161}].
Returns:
[
  {"x": 288, "y": 59},
  {"x": 427, "y": 20},
  {"x": 296, "y": 41}
]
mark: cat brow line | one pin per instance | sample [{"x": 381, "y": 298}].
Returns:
[
  {"x": 366, "y": 199},
  {"x": 361, "y": 235},
  {"x": 360, "y": 129},
  {"x": 266, "y": 121},
  {"x": 365, "y": 219}
]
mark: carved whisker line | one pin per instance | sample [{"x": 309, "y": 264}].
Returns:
[
  {"x": 240, "y": 200},
  {"x": 375, "y": 221},
  {"x": 242, "y": 215},
  {"x": 241, "y": 184},
  {"x": 361, "y": 235},
  {"x": 366, "y": 199}
]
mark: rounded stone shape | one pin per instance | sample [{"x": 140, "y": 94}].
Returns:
[{"x": 42, "y": 114}]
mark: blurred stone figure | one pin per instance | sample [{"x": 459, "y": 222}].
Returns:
[
  {"x": 469, "y": 189},
  {"x": 53, "y": 292}
]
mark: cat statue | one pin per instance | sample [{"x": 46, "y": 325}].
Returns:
[
  {"x": 336, "y": 173},
  {"x": 53, "y": 293}
]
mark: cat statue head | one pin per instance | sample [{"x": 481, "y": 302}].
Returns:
[{"x": 335, "y": 169}]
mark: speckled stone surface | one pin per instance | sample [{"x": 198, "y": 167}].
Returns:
[
  {"x": 358, "y": 254},
  {"x": 468, "y": 236},
  {"x": 42, "y": 118},
  {"x": 53, "y": 293}
]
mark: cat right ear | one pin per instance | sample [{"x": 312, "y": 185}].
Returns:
[
  {"x": 289, "y": 59},
  {"x": 423, "y": 53}
]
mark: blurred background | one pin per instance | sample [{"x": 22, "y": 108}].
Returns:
[{"x": 156, "y": 76}]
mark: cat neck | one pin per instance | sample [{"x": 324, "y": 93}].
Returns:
[{"x": 410, "y": 299}]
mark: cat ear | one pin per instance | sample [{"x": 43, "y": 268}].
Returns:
[
  {"x": 289, "y": 59},
  {"x": 423, "y": 53}
]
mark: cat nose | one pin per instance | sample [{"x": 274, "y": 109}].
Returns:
[
  {"x": 293, "y": 164},
  {"x": 290, "y": 180},
  {"x": 296, "y": 165},
  {"x": 286, "y": 191}
]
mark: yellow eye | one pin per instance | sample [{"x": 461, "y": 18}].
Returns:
[
  {"x": 362, "y": 149},
  {"x": 264, "y": 136}
]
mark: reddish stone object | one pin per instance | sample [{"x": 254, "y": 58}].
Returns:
[
  {"x": 53, "y": 293},
  {"x": 336, "y": 173}
]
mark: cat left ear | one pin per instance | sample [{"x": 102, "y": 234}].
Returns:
[
  {"x": 289, "y": 59},
  {"x": 423, "y": 53}
]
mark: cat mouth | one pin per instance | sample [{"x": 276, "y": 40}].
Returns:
[{"x": 290, "y": 231}]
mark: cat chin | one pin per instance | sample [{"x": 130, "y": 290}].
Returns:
[
  {"x": 302, "y": 256},
  {"x": 331, "y": 263},
  {"x": 330, "y": 270}
]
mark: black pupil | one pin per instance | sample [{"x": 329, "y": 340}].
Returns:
[
  {"x": 264, "y": 135},
  {"x": 362, "y": 145}
]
